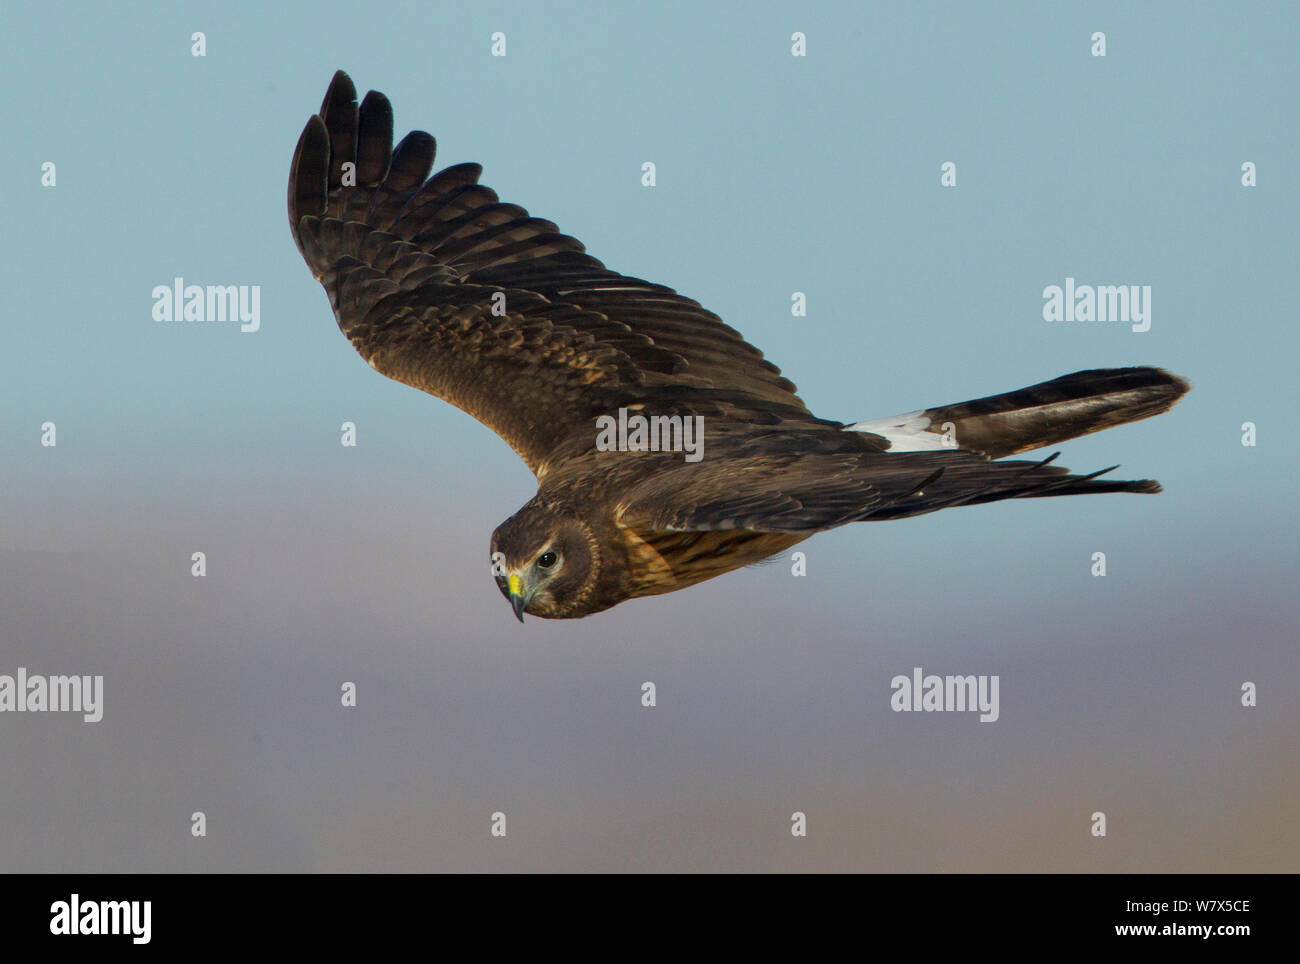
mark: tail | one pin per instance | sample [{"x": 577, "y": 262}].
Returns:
[{"x": 1034, "y": 417}]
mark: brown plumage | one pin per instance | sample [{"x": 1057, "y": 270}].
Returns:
[{"x": 440, "y": 285}]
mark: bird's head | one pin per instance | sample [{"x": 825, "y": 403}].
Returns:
[{"x": 546, "y": 562}]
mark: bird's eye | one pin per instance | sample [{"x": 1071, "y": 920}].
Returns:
[{"x": 546, "y": 559}]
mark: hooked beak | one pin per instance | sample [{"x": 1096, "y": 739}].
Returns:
[{"x": 517, "y": 598}]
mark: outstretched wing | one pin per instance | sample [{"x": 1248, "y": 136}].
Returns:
[
  {"x": 441, "y": 286},
  {"x": 806, "y": 492}
]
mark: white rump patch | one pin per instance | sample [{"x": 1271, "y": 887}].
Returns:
[{"x": 905, "y": 433}]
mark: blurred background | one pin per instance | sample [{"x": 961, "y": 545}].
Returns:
[{"x": 776, "y": 174}]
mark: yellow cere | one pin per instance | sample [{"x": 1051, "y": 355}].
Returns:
[{"x": 516, "y": 585}]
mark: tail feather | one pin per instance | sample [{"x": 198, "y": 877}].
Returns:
[{"x": 1038, "y": 416}]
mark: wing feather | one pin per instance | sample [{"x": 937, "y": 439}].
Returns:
[
  {"x": 414, "y": 265},
  {"x": 799, "y": 490}
]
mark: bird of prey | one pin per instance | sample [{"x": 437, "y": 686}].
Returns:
[{"x": 442, "y": 286}]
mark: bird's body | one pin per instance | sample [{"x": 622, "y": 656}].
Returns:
[{"x": 441, "y": 286}]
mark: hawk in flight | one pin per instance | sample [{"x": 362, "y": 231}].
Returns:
[{"x": 441, "y": 285}]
